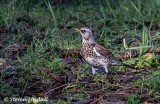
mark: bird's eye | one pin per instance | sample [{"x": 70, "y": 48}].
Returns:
[{"x": 83, "y": 31}]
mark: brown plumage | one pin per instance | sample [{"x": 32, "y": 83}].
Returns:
[
  {"x": 96, "y": 55},
  {"x": 104, "y": 52}
]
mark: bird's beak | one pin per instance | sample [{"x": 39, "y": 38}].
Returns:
[{"x": 78, "y": 30}]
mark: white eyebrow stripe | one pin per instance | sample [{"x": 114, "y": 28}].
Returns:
[{"x": 86, "y": 29}]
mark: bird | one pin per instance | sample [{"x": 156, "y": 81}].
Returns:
[{"x": 94, "y": 54}]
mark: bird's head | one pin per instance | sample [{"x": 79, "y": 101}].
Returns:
[{"x": 86, "y": 34}]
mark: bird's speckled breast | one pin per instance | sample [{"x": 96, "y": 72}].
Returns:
[
  {"x": 92, "y": 58},
  {"x": 87, "y": 50}
]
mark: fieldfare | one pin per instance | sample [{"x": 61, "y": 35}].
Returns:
[{"x": 96, "y": 55}]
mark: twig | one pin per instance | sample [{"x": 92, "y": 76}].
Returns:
[
  {"x": 25, "y": 88},
  {"x": 56, "y": 88}
]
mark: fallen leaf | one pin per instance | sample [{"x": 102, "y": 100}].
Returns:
[
  {"x": 10, "y": 69},
  {"x": 12, "y": 50},
  {"x": 148, "y": 56},
  {"x": 147, "y": 102},
  {"x": 157, "y": 49},
  {"x": 127, "y": 55},
  {"x": 69, "y": 53}
]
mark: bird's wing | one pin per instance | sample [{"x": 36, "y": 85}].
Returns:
[{"x": 102, "y": 51}]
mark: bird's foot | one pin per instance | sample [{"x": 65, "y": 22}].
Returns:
[{"x": 94, "y": 70}]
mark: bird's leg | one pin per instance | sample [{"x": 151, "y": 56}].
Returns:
[
  {"x": 106, "y": 69},
  {"x": 93, "y": 70}
]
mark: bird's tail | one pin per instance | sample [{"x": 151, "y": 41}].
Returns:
[{"x": 118, "y": 63}]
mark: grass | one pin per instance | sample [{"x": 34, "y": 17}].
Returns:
[{"x": 45, "y": 33}]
